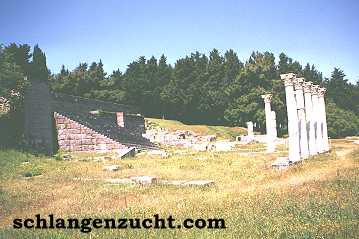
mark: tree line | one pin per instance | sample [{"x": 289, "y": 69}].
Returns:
[{"x": 218, "y": 89}]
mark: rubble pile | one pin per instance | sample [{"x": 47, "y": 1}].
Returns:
[{"x": 179, "y": 138}]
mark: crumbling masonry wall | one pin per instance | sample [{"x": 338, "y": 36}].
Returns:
[
  {"x": 134, "y": 124},
  {"x": 75, "y": 137},
  {"x": 58, "y": 121},
  {"x": 39, "y": 124}
]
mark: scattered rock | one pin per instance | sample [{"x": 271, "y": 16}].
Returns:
[
  {"x": 200, "y": 147},
  {"x": 187, "y": 183},
  {"x": 149, "y": 180},
  {"x": 67, "y": 157},
  {"x": 178, "y": 138},
  {"x": 224, "y": 146},
  {"x": 84, "y": 179},
  {"x": 119, "y": 181},
  {"x": 211, "y": 138},
  {"x": 199, "y": 183},
  {"x": 111, "y": 168},
  {"x": 178, "y": 152},
  {"x": 172, "y": 182},
  {"x": 144, "y": 180},
  {"x": 161, "y": 153},
  {"x": 352, "y": 137},
  {"x": 281, "y": 163}
]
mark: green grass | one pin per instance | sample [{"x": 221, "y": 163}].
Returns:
[
  {"x": 221, "y": 132},
  {"x": 315, "y": 199}
]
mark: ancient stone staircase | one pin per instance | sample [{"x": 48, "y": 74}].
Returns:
[{"x": 82, "y": 131}]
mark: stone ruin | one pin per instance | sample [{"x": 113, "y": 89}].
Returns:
[
  {"x": 179, "y": 138},
  {"x": 57, "y": 121},
  {"x": 256, "y": 138},
  {"x": 62, "y": 122},
  {"x": 271, "y": 127},
  {"x": 307, "y": 123}
]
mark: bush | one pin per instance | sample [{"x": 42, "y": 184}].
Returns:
[
  {"x": 341, "y": 122},
  {"x": 12, "y": 130}
]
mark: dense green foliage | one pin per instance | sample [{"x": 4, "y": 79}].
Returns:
[
  {"x": 16, "y": 62},
  {"x": 217, "y": 89}
]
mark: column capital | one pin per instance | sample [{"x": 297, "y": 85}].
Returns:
[
  {"x": 315, "y": 89},
  {"x": 298, "y": 83},
  {"x": 307, "y": 86},
  {"x": 288, "y": 78},
  {"x": 267, "y": 98},
  {"x": 321, "y": 91}
]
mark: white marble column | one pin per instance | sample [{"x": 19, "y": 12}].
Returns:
[
  {"x": 302, "y": 122},
  {"x": 250, "y": 131},
  {"x": 310, "y": 116},
  {"x": 274, "y": 124},
  {"x": 321, "y": 93},
  {"x": 269, "y": 128},
  {"x": 317, "y": 115},
  {"x": 293, "y": 144}
]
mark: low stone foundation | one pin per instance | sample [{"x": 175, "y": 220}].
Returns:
[{"x": 75, "y": 137}]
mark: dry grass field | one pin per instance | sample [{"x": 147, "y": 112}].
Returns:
[
  {"x": 222, "y": 132},
  {"x": 318, "y": 198}
]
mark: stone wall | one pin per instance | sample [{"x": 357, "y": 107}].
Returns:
[
  {"x": 39, "y": 124},
  {"x": 75, "y": 137},
  {"x": 134, "y": 124},
  {"x": 81, "y": 124}
]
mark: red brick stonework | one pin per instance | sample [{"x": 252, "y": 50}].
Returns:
[{"x": 75, "y": 137}]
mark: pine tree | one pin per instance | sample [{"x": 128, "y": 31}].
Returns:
[{"x": 39, "y": 71}]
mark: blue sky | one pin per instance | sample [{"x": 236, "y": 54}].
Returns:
[{"x": 324, "y": 33}]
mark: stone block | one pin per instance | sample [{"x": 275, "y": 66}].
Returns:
[
  {"x": 200, "y": 147},
  {"x": 172, "y": 182},
  {"x": 60, "y": 126},
  {"x": 161, "y": 153},
  {"x": 59, "y": 120},
  {"x": 119, "y": 181},
  {"x": 144, "y": 180},
  {"x": 111, "y": 168},
  {"x": 199, "y": 183},
  {"x": 223, "y": 146},
  {"x": 67, "y": 142},
  {"x": 61, "y": 143},
  {"x": 281, "y": 163},
  {"x": 87, "y": 141}
]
